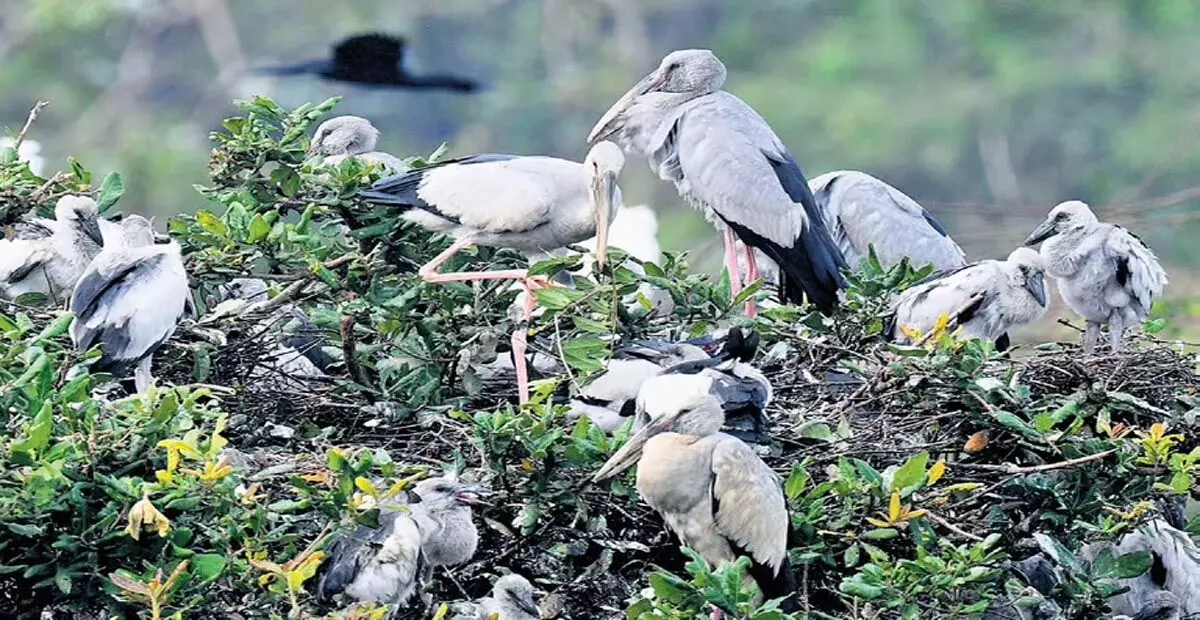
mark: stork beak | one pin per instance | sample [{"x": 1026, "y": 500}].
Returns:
[
  {"x": 630, "y": 452},
  {"x": 604, "y": 190},
  {"x": 1036, "y": 284},
  {"x": 525, "y": 602},
  {"x": 91, "y": 228},
  {"x": 469, "y": 493},
  {"x": 1044, "y": 231},
  {"x": 607, "y": 124}
]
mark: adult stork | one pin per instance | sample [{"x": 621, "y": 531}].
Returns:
[
  {"x": 712, "y": 490},
  {"x": 531, "y": 204},
  {"x": 1105, "y": 273},
  {"x": 862, "y": 211},
  {"x": 726, "y": 160},
  {"x": 371, "y": 60},
  {"x": 129, "y": 301},
  {"x": 351, "y": 136}
]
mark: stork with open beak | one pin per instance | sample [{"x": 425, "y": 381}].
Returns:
[
  {"x": 712, "y": 490},
  {"x": 531, "y": 204}
]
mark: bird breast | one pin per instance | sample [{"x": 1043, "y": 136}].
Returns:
[{"x": 449, "y": 538}]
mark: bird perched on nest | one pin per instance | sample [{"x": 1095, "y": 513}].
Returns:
[
  {"x": 301, "y": 352},
  {"x": 985, "y": 299},
  {"x": 511, "y": 599},
  {"x": 129, "y": 301},
  {"x": 712, "y": 490},
  {"x": 1105, "y": 273},
  {"x": 371, "y": 60},
  {"x": 352, "y": 136},
  {"x": 1170, "y": 588},
  {"x": 49, "y": 256},
  {"x": 387, "y": 564}
]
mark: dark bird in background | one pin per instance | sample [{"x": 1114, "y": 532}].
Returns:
[{"x": 373, "y": 60}]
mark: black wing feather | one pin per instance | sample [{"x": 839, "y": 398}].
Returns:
[
  {"x": 401, "y": 189},
  {"x": 369, "y": 59},
  {"x": 933, "y": 221},
  {"x": 1122, "y": 270}
]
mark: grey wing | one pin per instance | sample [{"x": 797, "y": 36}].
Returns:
[
  {"x": 863, "y": 211},
  {"x": 88, "y": 298},
  {"x": 967, "y": 294},
  {"x": 1138, "y": 269},
  {"x": 350, "y": 553},
  {"x": 750, "y": 510},
  {"x": 19, "y": 257}
]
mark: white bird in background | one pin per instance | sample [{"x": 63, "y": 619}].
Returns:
[
  {"x": 352, "y": 136},
  {"x": 712, "y": 490},
  {"x": 1105, "y": 273},
  {"x": 985, "y": 299},
  {"x": 28, "y": 152},
  {"x": 531, "y": 204},
  {"x": 129, "y": 301},
  {"x": 726, "y": 160},
  {"x": 1171, "y": 586},
  {"x": 387, "y": 564},
  {"x": 49, "y": 256},
  {"x": 511, "y": 599}
]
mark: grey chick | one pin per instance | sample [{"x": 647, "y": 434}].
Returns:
[
  {"x": 352, "y": 136},
  {"x": 49, "y": 256},
  {"x": 387, "y": 564},
  {"x": 511, "y": 599}
]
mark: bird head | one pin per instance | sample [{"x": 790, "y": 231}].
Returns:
[
  {"x": 516, "y": 591},
  {"x": 136, "y": 231},
  {"x": 686, "y": 74},
  {"x": 448, "y": 493},
  {"x": 80, "y": 211},
  {"x": 1030, "y": 272},
  {"x": 344, "y": 135},
  {"x": 250, "y": 289},
  {"x": 678, "y": 403},
  {"x": 603, "y": 166},
  {"x": 1063, "y": 217}
]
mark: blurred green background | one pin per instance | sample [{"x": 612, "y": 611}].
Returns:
[{"x": 987, "y": 111}]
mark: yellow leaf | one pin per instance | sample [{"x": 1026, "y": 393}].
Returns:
[
  {"x": 878, "y": 522},
  {"x": 163, "y": 476},
  {"x": 894, "y": 507},
  {"x": 976, "y": 443},
  {"x": 263, "y": 580},
  {"x": 295, "y": 581},
  {"x": 936, "y": 471},
  {"x": 183, "y": 447},
  {"x": 940, "y": 324},
  {"x": 321, "y": 477},
  {"x": 266, "y": 565},
  {"x": 143, "y": 516},
  {"x": 527, "y": 464},
  {"x": 217, "y": 442},
  {"x": 939, "y": 500},
  {"x": 365, "y": 486},
  {"x": 915, "y": 514},
  {"x": 442, "y": 610},
  {"x": 1157, "y": 430},
  {"x": 911, "y": 333},
  {"x": 308, "y": 567},
  {"x": 250, "y": 495},
  {"x": 963, "y": 486}
]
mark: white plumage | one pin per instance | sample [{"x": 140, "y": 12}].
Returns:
[
  {"x": 49, "y": 256},
  {"x": 1105, "y": 273},
  {"x": 985, "y": 299},
  {"x": 352, "y": 136},
  {"x": 130, "y": 300},
  {"x": 28, "y": 152}
]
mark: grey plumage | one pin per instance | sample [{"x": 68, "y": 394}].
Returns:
[
  {"x": 300, "y": 353},
  {"x": 511, "y": 599},
  {"x": 129, "y": 301},
  {"x": 388, "y": 564},
  {"x": 49, "y": 256},
  {"x": 712, "y": 490},
  {"x": 725, "y": 159},
  {"x": 1170, "y": 589},
  {"x": 985, "y": 299},
  {"x": 862, "y": 211},
  {"x": 1105, "y": 273},
  {"x": 352, "y": 136}
]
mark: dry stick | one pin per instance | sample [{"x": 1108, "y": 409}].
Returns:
[
  {"x": 1010, "y": 469},
  {"x": 33, "y": 114},
  {"x": 348, "y": 351},
  {"x": 953, "y": 528},
  {"x": 58, "y": 177},
  {"x": 952, "y": 323}
]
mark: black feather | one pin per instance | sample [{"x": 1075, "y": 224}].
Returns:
[
  {"x": 628, "y": 408},
  {"x": 1122, "y": 270},
  {"x": 1003, "y": 342},
  {"x": 22, "y": 272},
  {"x": 368, "y": 59},
  {"x": 935, "y": 223},
  {"x": 810, "y": 264}
]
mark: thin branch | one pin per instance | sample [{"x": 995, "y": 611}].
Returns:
[
  {"x": 951, "y": 527},
  {"x": 33, "y": 115},
  {"x": 349, "y": 352},
  {"x": 952, "y": 323},
  {"x": 1009, "y": 468}
]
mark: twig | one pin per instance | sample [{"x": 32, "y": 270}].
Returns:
[
  {"x": 1069, "y": 324},
  {"x": 950, "y": 526},
  {"x": 348, "y": 351},
  {"x": 1009, "y": 468},
  {"x": 33, "y": 114},
  {"x": 284, "y": 296},
  {"x": 58, "y": 177}
]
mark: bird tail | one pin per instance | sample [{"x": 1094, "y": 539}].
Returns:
[
  {"x": 808, "y": 268},
  {"x": 300, "y": 68},
  {"x": 777, "y": 584}
]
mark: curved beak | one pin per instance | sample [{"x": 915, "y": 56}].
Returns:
[
  {"x": 607, "y": 125},
  {"x": 630, "y": 452},
  {"x": 525, "y": 603},
  {"x": 91, "y": 228},
  {"x": 1044, "y": 231},
  {"x": 469, "y": 493},
  {"x": 604, "y": 192},
  {"x": 1036, "y": 284}
]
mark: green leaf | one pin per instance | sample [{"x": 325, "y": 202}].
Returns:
[
  {"x": 883, "y": 533},
  {"x": 29, "y": 531},
  {"x": 585, "y": 353},
  {"x": 911, "y": 474},
  {"x": 111, "y": 190},
  {"x": 1015, "y": 423},
  {"x": 208, "y": 566},
  {"x": 796, "y": 481},
  {"x": 212, "y": 223},
  {"x": 37, "y": 433},
  {"x": 556, "y": 297},
  {"x": 258, "y": 230},
  {"x": 858, "y": 586},
  {"x": 62, "y": 579},
  {"x": 1110, "y": 566}
]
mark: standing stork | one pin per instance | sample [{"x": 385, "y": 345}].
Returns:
[
  {"x": 713, "y": 491},
  {"x": 531, "y": 204},
  {"x": 726, "y": 160}
]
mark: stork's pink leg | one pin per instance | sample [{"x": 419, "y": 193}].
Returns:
[
  {"x": 751, "y": 275},
  {"x": 428, "y": 272},
  {"x": 731, "y": 265},
  {"x": 715, "y": 614}
]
